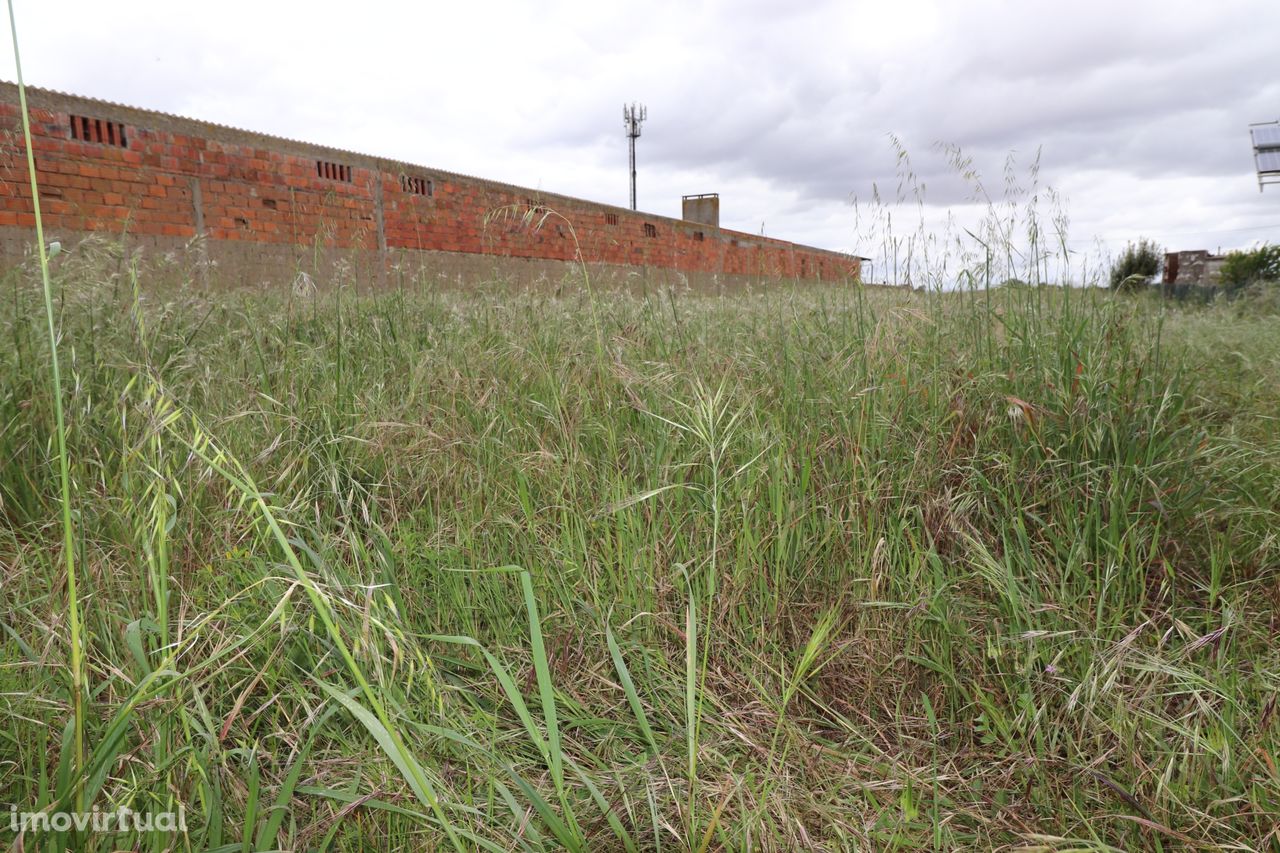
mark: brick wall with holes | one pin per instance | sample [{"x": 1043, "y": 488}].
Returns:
[{"x": 109, "y": 169}]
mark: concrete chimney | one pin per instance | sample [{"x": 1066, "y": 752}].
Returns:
[{"x": 703, "y": 208}]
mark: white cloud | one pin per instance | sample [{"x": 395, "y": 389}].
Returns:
[{"x": 1139, "y": 109}]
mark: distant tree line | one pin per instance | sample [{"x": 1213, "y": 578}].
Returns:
[{"x": 1139, "y": 264}]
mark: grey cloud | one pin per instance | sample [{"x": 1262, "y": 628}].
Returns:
[{"x": 785, "y": 108}]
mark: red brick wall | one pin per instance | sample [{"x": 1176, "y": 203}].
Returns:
[{"x": 175, "y": 176}]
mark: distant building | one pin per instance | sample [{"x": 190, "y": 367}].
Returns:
[
  {"x": 1196, "y": 268},
  {"x": 244, "y": 208}
]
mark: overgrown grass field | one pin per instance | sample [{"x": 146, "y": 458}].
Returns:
[{"x": 828, "y": 568}]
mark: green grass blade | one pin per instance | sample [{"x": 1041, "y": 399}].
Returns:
[{"x": 629, "y": 688}]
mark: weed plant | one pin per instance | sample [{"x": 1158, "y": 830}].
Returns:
[{"x": 811, "y": 568}]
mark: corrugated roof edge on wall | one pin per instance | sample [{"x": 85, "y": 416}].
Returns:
[{"x": 54, "y": 99}]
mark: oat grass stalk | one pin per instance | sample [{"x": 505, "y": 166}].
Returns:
[
  {"x": 534, "y": 217},
  {"x": 379, "y": 723},
  {"x": 64, "y": 466}
]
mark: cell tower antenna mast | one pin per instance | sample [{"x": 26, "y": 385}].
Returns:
[{"x": 632, "y": 116}]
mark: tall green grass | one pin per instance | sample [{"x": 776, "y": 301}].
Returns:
[
  {"x": 75, "y": 760},
  {"x": 811, "y": 568}
]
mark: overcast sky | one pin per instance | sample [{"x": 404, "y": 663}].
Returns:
[{"x": 1139, "y": 111}]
